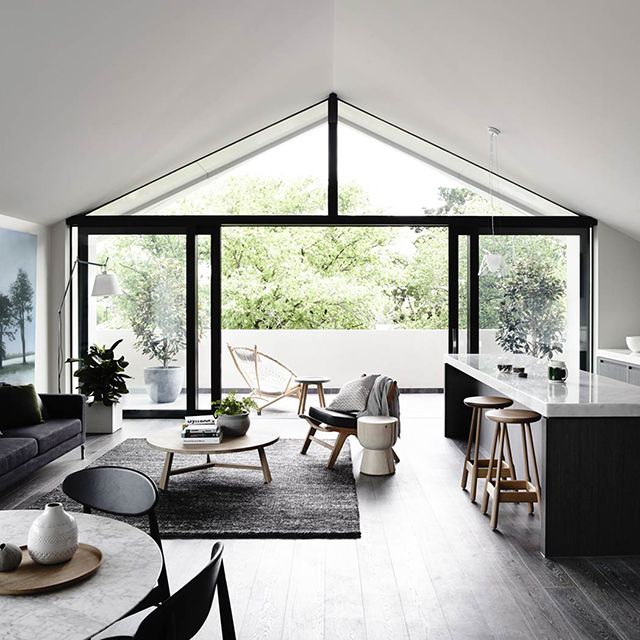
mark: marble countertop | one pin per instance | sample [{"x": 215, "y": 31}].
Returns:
[
  {"x": 584, "y": 394},
  {"x": 130, "y": 569},
  {"x": 621, "y": 355}
]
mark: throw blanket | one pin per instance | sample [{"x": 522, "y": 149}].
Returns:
[{"x": 378, "y": 404}]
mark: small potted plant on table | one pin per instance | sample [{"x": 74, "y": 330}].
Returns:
[
  {"x": 102, "y": 379},
  {"x": 232, "y": 414}
]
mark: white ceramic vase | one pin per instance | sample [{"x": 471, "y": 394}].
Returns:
[{"x": 53, "y": 536}]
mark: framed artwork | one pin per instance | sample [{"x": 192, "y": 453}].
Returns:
[{"x": 18, "y": 264}]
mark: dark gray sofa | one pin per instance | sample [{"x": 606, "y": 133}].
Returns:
[{"x": 25, "y": 449}]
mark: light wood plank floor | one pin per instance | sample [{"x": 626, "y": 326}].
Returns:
[{"x": 427, "y": 565}]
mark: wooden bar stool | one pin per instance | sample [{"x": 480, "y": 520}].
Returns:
[
  {"x": 511, "y": 490},
  {"x": 472, "y": 463}
]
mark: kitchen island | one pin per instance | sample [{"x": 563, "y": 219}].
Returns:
[{"x": 588, "y": 443}]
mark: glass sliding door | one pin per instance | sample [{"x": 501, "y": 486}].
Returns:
[
  {"x": 149, "y": 317},
  {"x": 336, "y": 301}
]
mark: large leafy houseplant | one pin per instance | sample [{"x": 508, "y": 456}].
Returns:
[{"x": 101, "y": 375}]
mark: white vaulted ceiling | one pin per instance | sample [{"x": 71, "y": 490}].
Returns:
[{"x": 97, "y": 98}]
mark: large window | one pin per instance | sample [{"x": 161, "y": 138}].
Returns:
[{"x": 338, "y": 243}]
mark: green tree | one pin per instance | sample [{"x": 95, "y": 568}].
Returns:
[
  {"x": 531, "y": 315},
  {"x": 21, "y": 294},
  {"x": 151, "y": 269},
  {"x": 6, "y": 325}
]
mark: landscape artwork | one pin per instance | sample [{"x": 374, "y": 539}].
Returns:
[{"x": 18, "y": 256}]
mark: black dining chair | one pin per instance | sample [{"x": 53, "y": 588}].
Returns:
[
  {"x": 185, "y": 612},
  {"x": 120, "y": 491}
]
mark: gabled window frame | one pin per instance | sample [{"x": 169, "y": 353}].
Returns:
[{"x": 192, "y": 226}]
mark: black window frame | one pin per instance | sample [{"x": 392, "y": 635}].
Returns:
[{"x": 193, "y": 227}]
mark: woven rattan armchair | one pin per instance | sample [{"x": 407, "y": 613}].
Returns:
[{"x": 268, "y": 379}]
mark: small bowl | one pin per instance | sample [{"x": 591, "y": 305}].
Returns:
[{"x": 633, "y": 342}]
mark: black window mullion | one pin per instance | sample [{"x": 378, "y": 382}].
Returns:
[
  {"x": 216, "y": 314},
  {"x": 332, "y": 189},
  {"x": 191, "y": 258},
  {"x": 473, "y": 295},
  {"x": 453, "y": 290}
]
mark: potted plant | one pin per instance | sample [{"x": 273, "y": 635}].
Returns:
[
  {"x": 232, "y": 414},
  {"x": 163, "y": 383},
  {"x": 102, "y": 379},
  {"x": 154, "y": 307}
]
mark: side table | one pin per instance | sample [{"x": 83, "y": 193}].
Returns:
[
  {"x": 377, "y": 435},
  {"x": 304, "y": 382}
]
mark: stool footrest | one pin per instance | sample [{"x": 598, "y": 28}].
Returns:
[
  {"x": 514, "y": 491},
  {"x": 483, "y": 467}
]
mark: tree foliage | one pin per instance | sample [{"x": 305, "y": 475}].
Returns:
[
  {"x": 151, "y": 269},
  {"x": 21, "y": 295},
  {"x": 7, "y": 331},
  {"x": 531, "y": 319},
  {"x": 334, "y": 277}
]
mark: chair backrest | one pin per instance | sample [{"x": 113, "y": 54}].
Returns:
[
  {"x": 119, "y": 491},
  {"x": 260, "y": 371},
  {"x": 183, "y": 614},
  {"x": 116, "y": 490}
]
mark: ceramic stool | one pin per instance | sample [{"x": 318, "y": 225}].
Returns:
[
  {"x": 513, "y": 489},
  {"x": 377, "y": 435},
  {"x": 473, "y": 464}
]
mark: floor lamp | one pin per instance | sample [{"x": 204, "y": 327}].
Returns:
[{"x": 105, "y": 284}]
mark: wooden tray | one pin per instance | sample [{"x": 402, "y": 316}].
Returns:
[{"x": 30, "y": 577}]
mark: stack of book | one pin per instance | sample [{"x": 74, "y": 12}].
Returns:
[{"x": 201, "y": 431}]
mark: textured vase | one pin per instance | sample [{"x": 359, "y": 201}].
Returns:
[
  {"x": 53, "y": 536},
  {"x": 234, "y": 426}
]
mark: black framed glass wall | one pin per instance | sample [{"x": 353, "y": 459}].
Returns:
[{"x": 272, "y": 179}]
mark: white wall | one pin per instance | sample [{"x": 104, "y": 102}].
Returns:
[
  {"x": 42, "y": 380},
  {"x": 616, "y": 287}
]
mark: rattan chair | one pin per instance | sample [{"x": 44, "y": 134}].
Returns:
[{"x": 268, "y": 379}]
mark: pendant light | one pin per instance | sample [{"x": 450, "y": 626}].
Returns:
[{"x": 492, "y": 263}]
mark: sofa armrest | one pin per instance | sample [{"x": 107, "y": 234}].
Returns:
[{"x": 64, "y": 405}]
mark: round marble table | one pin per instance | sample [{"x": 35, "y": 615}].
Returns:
[{"x": 131, "y": 566}]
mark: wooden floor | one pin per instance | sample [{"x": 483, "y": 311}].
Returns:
[{"x": 427, "y": 565}]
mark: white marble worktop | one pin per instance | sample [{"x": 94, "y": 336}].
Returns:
[
  {"x": 583, "y": 394},
  {"x": 620, "y": 355},
  {"x": 130, "y": 568}
]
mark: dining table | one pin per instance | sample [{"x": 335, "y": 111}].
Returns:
[{"x": 131, "y": 564}]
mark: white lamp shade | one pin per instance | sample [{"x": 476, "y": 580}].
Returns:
[{"x": 106, "y": 284}]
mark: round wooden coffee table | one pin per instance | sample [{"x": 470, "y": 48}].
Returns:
[{"x": 170, "y": 442}]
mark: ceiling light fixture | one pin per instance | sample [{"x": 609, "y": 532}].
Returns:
[{"x": 492, "y": 263}]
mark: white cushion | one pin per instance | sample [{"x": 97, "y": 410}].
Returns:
[{"x": 353, "y": 395}]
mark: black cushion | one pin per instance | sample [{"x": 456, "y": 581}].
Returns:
[
  {"x": 334, "y": 418},
  {"x": 16, "y": 451},
  {"x": 49, "y": 434},
  {"x": 19, "y": 406}
]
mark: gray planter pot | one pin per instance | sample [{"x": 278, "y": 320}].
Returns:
[
  {"x": 164, "y": 384},
  {"x": 101, "y": 419},
  {"x": 234, "y": 426}
]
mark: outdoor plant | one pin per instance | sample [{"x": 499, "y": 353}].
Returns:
[
  {"x": 101, "y": 375},
  {"x": 232, "y": 406},
  {"x": 531, "y": 317}
]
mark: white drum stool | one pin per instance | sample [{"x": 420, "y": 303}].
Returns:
[{"x": 377, "y": 435}]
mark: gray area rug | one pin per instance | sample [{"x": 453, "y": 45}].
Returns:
[{"x": 304, "y": 499}]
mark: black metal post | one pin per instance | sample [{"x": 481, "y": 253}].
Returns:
[
  {"x": 332, "y": 189},
  {"x": 453, "y": 290},
  {"x": 191, "y": 266},
  {"x": 216, "y": 314},
  {"x": 473, "y": 295}
]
